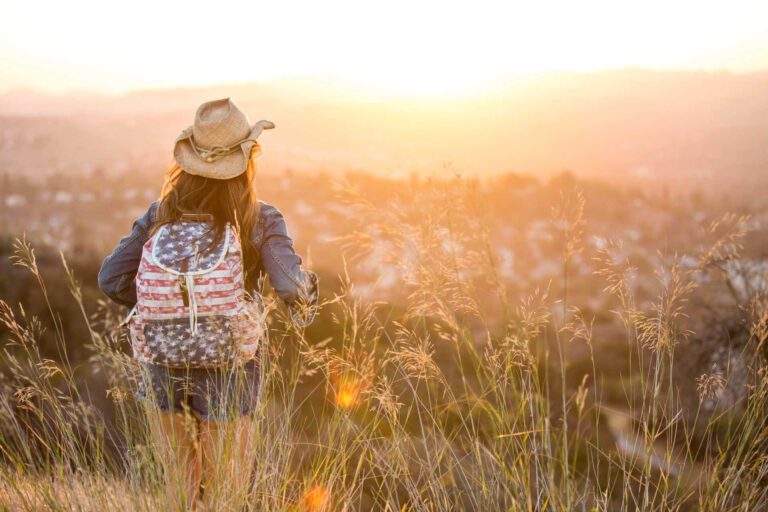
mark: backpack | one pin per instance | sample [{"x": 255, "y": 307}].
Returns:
[{"x": 191, "y": 308}]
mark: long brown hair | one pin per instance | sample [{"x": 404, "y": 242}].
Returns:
[{"x": 232, "y": 201}]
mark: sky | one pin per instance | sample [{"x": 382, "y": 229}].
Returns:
[{"x": 403, "y": 47}]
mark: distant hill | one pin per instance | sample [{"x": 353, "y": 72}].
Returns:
[{"x": 625, "y": 124}]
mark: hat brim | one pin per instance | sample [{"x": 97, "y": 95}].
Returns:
[{"x": 224, "y": 168}]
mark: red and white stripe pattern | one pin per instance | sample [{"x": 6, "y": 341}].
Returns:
[{"x": 219, "y": 292}]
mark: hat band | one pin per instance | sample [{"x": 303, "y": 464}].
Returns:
[{"x": 217, "y": 152}]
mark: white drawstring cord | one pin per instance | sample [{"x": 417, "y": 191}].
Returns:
[{"x": 190, "y": 281}]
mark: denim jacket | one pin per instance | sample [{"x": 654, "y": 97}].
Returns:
[{"x": 117, "y": 277}]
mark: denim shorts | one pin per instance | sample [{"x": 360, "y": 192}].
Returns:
[{"x": 209, "y": 393}]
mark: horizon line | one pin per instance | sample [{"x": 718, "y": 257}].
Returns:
[{"x": 340, "y": 81}]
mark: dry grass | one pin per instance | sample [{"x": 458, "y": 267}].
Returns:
[{"x": 461, "y": 403}]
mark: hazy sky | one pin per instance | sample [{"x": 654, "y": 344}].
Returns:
[{"x": 411, "y": 47}]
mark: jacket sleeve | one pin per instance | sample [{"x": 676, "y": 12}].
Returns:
[
  {"x": 297, "y": 287},
  {"x": 117, "y": 277}
]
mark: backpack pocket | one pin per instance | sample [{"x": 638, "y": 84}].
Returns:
[{"x": 171, "y": 342}]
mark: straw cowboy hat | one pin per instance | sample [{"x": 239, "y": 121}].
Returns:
[{"x": 218, "y": 144}]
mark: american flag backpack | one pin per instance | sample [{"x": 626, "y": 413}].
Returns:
[{"x": 192, "y": 309}]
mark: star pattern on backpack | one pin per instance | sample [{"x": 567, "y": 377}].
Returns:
[
  {"x": 194, "y": 242},
  {"x": 171, "y": 341}
]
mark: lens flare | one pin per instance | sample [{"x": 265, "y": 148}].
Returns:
[
  {"x": 347, "y": 394},
  {"x": 350, "y": 378},
  {"x": 317, "y": 499}
]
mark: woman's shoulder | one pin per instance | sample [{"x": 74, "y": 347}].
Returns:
[
  {"x": 152, "y": 211},
  {"x": 267, "y": 210},
  {"x": 147, "y": 221},
  {"x": 270, "y": 222}
]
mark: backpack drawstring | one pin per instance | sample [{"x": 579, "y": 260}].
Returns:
[{"x": 190, "y": 281}]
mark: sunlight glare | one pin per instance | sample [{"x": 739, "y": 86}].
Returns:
[
  {"x": 347, "y": 394},
  {"x": 316, "y": 499},
  {"x": 422, "y": 48}
]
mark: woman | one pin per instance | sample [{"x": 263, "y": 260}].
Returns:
[{"x": 202, "y": 418}]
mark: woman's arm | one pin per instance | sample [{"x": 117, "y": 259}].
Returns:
[
  {"x": 117, "y": 277},
  {"x": 297, "y": 287}
]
